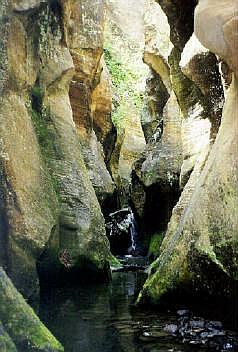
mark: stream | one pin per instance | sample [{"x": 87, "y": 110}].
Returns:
[{"x": 101, "y": 318}]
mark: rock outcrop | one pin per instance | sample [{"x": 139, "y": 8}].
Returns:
[
  {"x": 84, "y": 34},
  {"x": 181, "y": 115},
  {"x": 102, "y": 113},
  {"x": 49, "y": 209},
  {"x": 21, "y": 323},
  {"x": 124, "y": 40},
  {"x": 156, "y": 175},
  {"x": 51, "y": 223},
  {"x": 200, "y": 250}
]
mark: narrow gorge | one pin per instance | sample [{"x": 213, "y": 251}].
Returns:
[{"x": 118, "y": 175}]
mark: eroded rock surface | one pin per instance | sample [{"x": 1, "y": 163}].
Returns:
[
  {"x": 84, "y": 33},
  {"x": 49, "y": 206},
  {"x": 124, "y": 41},
  {"x": 21, "y": 323},
  {"x": 200, "y": 247}
]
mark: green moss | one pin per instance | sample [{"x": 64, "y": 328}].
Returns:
[
  {"x": 127, "y": 94},
  {"x": 6, "y": 343},
  {"x": 21, "y": 322},
  {"x": 44, "y": 131},
  {"x": 114, "y": 262},
  {"x": 155, "y": 244},
  {"x": 188, "y": 94}
]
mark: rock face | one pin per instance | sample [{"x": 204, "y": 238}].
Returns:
[
  {"x": 124, "y": 40},
  {"x": 21, "y": 323},
  {"x": 181, "y": 115},
  {"x": 49, "y": 210},
  {"x": 200, "y": 248},
  {"x": 220, "y": 35},
  {"x": 51, "y": 223},
  {"x": 102, "y": 113},
  {"x": 156, "y": 174},
  {"x": 84, "y": 34}
]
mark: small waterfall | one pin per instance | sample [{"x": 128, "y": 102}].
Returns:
[
  {"x": 133, "y": 232},
  {"x": 123, "y": 233}
]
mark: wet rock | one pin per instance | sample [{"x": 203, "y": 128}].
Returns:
[
  {"x": 200, "y": 332},
  {"x": 171, "y": 329},
  {"x": 197, "y": 324},
  {"x": 214, "y": 324},
  {"x": 183, "y": 312},
  {"x": 123, "y": 233}
]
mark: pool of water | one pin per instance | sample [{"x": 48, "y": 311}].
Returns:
[{"x": 101, "y": 318}]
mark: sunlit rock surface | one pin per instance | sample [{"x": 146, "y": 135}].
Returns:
[
  {"x": 200, "y": 248},
  {"x": 84, "y": 34},
  {"x": 124, "y": 42},
  {"x": 49, "y": 210},
  {"x": 216, "y": 27},
  {"x": 102, "y": 112}
]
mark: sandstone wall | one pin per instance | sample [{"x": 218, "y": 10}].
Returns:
[
  {"x": 49, "y": 210},
  {"x": 124, "y": 41},
  {"x": 199, "y": 251}
]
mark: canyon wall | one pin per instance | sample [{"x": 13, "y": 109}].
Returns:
[
  {"x": 51, "y": 224},
  {"x": 124, "y": 42},
  {"x": 72, "y": 135},
  {"x": 182, "y": 111},
  {"x": 200, "y": 248}
]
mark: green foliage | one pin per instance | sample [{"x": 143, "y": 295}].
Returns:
[{"x": 119, "y": 74}]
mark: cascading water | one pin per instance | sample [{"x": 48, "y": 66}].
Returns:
[
  {"x": 123, "y": 233},
  {"x": 133, "y": 233}
]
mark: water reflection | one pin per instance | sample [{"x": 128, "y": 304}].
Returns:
[{"x": 98, "y": 318}]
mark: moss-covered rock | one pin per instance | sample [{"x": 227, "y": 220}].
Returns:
[
  {"x": 45, "y": 187},
  {"x": 21, "y": 323},
  {"x": 6, "y": 343},
  {"x": 199, "y": 251},
  {"x": 123, "y": 50},
  {"x": 155, "y": 244}
]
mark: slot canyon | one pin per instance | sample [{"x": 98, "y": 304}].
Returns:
[{"x": 118, "y": 175}]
